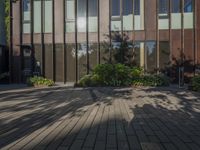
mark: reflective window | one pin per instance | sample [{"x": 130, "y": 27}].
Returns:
[
  {"x": 188, "y": 6},
  {"x": 81, "y": 11},
  {"x": 70, "y": 15},
  {"x": 115, "y": 7},
  {"x": 136, "y": 7},
  {"x": 48, "y": 16},
  {"x": 92, "y": 13},
  {"x": 127, "y": 15},
  {"x": 26, "y": 16},
  {"x": 163, "y": 6},
  {"x": 176, "y": 6},
  {"x": 37, "y": 16},
  {"x": 139, "y": 14},
  {"x": 164, "y": 54}
]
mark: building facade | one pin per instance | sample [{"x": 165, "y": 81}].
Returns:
[
  {"x": 3, "y": 52},
  {"x": 64, "y": 39}
]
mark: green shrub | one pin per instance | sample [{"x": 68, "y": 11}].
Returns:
[
  {"x": 4, "y": 75},
  {"x": 113, "y": 74},
  {"x": 151, "y": 80},
  {"x": 39, "y": 81},
  {"x": 196, "y": 83},
  {"x": 136, "y": 72}
]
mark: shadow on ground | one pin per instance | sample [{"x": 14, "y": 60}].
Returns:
[{"x": 100, "y": 118}]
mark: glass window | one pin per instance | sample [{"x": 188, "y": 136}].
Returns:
[
  {"x": 150, "y": 56},
  {"x": 92, "y": 13},
  {"x": 48, "y": 16},
  {"x": 164, "y": 54},
  {"x": 70, "y": 10},
  {"x": 163, "y": 6},
  {"x": 81, "y": 21},
  {"x": 37, "y": 16},
  {"x": 188, "y": 6},
  {"x": 26, "y": 16},
  {"x": 127, "y": 7},
  {"x": 176, "y": 6},
  {"x": 115, "y": 8},
  {"x": 127, "y": 15},
  {"x": 70, "y": 15},
  {"x": 81, "y": 8},
  {"x": 139, "y": 14},
  {"x": 26, "y": 10},
  {"x": 137, "y": 7}
]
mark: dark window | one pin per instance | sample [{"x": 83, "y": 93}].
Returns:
[
  {"x": 128, "y": 7},
  {"x": 115, "y": 7},
  {"x": 163, "y": 6},
  {"x": 188, "y": 6},
  {"x": 164, "y": 54},
  {"x": 81, "y": 8},
  {"x": 176, "y": 6},
  {"x": 137, "y": 7},
  {"x": 92, "y": 7}
]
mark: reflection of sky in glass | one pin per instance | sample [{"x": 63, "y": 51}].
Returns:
[
  {"x": 128, "y": 7},
  {"x": 150, "y": 47},
  {"x": 26, "y": 5},
  {"x": 187, "y": 5},
  {"x": 176, "y": 6}
]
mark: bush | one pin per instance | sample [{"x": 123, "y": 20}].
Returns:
[
  {"x": 39, "y": 81},
  {"x": 136, "y": 72},
  {"x": 113, "y": 74},
  {"x": 195, "y": 83},
  {"x": 151, "y": 80}
]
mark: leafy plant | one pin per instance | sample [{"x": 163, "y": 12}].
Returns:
[
  {"x": 39, "y": 81},
  {"x": 196, "y": 83},
  {"x": 151, "y": 80},
  {"x": 4, "y": 75}
]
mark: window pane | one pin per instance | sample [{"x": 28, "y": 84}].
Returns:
[
  {"x": 26, "y": 28},
  {"x": 81, "y": 22},
  {"x": 92, "y": 12},
  {"x": 115, "y": 25},
  {"x": 115, "y": 7},
  {"x": 70, "y": 10},
  {"x": 176, "y": 6},
  {"x": 137, "y": 7},
  {"x": 26, "y": 10},
  {"x": 37, "y": 16},
  {"x": 70, "y": 26},
  {"x": 163, "y": 6},
  {"x": 127, "y": 7},
  {"x": 48, "y": 16},
  {"x": 128, "y": 15},
  {"x": 92, "y": 8},
  {"x": 139, "y": 14},
  {"x": 164, "y": 54},
  {"x": 150, "y": 56},
  {"x": 188, "y": 6},
  {"x": 81, "y": 8}
]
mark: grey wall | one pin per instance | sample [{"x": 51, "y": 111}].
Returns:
[{"x": 2, "y": 24}]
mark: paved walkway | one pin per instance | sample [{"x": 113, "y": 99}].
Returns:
[{"x": 101, "y": 118}]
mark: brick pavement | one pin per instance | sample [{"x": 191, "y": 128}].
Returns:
[{"x": 100, "y": 119}]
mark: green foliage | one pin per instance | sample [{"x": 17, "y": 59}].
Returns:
[
  {"x": 113, "y": 74},
  {"x": 39, "y": 81},
  {"x": 7, "y": 19},
  {"x": 136, "y": 72},
  {"x": 196, "y": 83},
  {"x": 151, "y": 80},
  {"x": 121, "y": 75}
]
